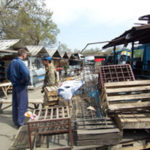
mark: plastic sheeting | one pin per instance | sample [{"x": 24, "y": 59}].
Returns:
[{"x": 69, "y": 88}]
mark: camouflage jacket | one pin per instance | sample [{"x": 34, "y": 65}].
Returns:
[{"x": 50, "y": 76}]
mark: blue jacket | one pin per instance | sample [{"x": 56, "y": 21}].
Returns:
[{"x": 18, "y": 73}]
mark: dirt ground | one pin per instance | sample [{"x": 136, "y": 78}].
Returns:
[{"x": 7, "y": 129}]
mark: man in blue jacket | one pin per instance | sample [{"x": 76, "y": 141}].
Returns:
[{"x": 19, "y": 75}]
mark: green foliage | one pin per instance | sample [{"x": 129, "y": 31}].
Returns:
[
  {"x": 63, "y": 48},
  {"x": 30, "y": 21}
]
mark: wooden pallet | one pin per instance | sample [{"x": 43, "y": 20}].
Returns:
[
  {"x": 100, "y": 132},
  {"x": 133, "y": 120},
  {"x": 125, "y": 96}
]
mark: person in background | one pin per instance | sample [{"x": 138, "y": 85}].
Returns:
[
  {"x": 50, "y": 75},
  {"x": 19, "y": 76}
]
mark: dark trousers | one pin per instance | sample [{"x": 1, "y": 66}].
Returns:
[{"x": 19, "y": 104}]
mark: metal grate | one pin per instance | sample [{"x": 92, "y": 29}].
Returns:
[{"x": 115, "y": 73}]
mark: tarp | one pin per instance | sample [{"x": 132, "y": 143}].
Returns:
[{"x": 69, "y": 88}]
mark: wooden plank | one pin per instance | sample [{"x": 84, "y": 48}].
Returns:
[
  {"x": 21, "y": 140},
  {"x": 136, "y": 105},
  {"x": 95, "y": 122},
  {"x": 139, "y": 115},
  {"x": 63, "y": 113},
  {"x": 95, "y": 132},
  {"x": 102, "y": 142},
  {"x": 57, "y": 113},
  {"x": 39, "y": 113},
  {"x": 68, "y": 114},
  {"x": 127, "y": 83},
  {"x": 91, "y": 127},
  {"x": 135, "y": 119},
  {"x": 128, "y": 97},
  {"x": 127, "y": 89},
  {"x": 46, "y": 114},
  {"x": 51, "y": 116},
  {"x": 136, "y": 125}
]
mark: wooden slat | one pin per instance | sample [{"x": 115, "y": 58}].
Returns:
[
  {"x": 46, "y": 114},
  {"x": 95, "y": 132},
  {"x": 128, "y": 97},
  {"x": 39, "y": 114},
  {"x": 134, "y": 115},
  {"x": 63, "y": 112},
  {"x": 51, "y": 117},
  {"x": 115, "y": 107},
  {"x": 68, "y": 114},
  {"x": 135, "y": 119},
  {"x": 127, "y": 89},
  {"x": 57, "y": 113},
  {"x": 127, "y": 83}
]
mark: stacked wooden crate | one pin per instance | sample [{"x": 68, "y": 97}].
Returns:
[
  {"x": 126, "y": 100},
  {"x": 51, "y": 96}
]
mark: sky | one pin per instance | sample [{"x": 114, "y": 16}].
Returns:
[{"x": 87, "y": 21}]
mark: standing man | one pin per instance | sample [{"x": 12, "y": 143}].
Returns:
[
  {"x": 51, "y": 75},
  {"x": 19, "y": 76}
]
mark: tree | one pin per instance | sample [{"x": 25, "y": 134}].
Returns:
[
  {"x": 29, "y": 21},
  {"x": 64, "y": 48}
]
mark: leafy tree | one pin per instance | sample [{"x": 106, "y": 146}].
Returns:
[
  {"x": 28, "y": 20},
  {"x": 64, "y": 48}
]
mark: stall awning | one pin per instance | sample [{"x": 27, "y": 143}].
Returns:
[{"x": 139, "y": 33}]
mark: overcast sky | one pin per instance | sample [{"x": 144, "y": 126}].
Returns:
[{"x": 85, "y": 21}]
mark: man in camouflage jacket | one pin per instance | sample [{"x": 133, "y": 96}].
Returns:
[{"x": 51, "y": 75}]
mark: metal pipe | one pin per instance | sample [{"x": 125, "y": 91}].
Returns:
[
  {"x": 92, "y": 44},
  {"x": 132, "y": 54},
  {"x": 114, "y": 54}
]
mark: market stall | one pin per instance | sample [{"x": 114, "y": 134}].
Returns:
[{"x": 34, "y": 63}]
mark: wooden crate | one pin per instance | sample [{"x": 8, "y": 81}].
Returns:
[
  {"x": 51, "y": 94},
  {"x": 50, "y": 121},
  {"x": 100, "y": 132},
  {"x": 125, "y": 96},
  {"x": 133, "y": 120}
]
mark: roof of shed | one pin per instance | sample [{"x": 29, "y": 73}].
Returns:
[
  {"x": 36, "y": 50},
  {"x": 6, "y": 44}
]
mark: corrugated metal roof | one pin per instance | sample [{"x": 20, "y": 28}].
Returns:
[
  {"x": 6, "y": 44},
  {"x": 51, "y": 52},
  {"x": 36, "y": 49},
  {"x": 62, "y": 54},
  {"x": 54, "y": 53}
]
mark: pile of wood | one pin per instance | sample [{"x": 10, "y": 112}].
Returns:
[
  {"x": 101, "y": 132},
  {"x": 129, "y": 104}
]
